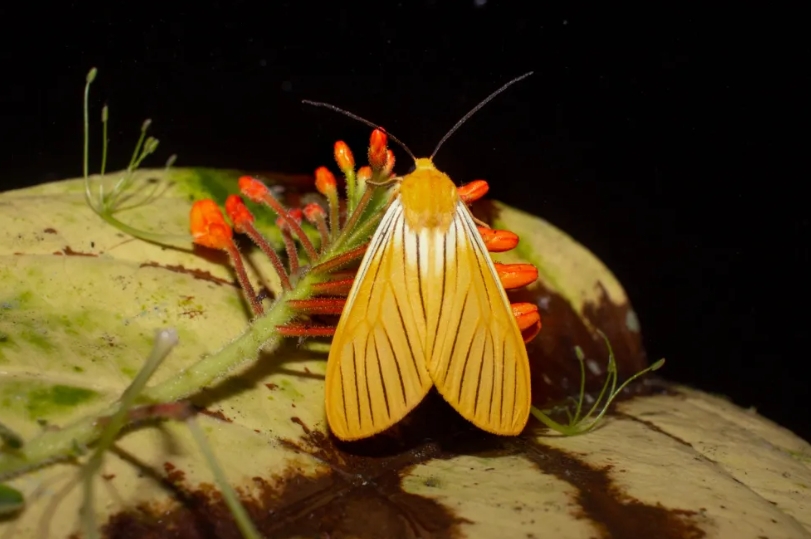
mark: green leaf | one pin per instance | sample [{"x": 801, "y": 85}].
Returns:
[{"x": 79, "y": 306}]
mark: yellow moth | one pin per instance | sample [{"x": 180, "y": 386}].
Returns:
[{"x": 427, "y": 309}]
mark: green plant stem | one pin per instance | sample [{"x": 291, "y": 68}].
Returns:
[
  {"x": 164, "y": 342},
  {"x": 113, "y": 198},
  {"x": 177, "y": 241},
  {"x": 334, "y": 214},
  {"x": 261, "y": 334},
  {"x": 581, "y": 358},
  {"x": 241, "y": 516},
  {"x": 364, "y": 231},
  {"x": 104, "y": 121},
  {"x": 91, "y": 75},
  {"x": 351, "y": 185},
  {"x": 354, "y": 217},
  {"x": 137, "y": 151}
]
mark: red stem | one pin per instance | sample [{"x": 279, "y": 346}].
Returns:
[
  {"x": 292, "y": 252},
  {"x": 318, "y": 305},
  {"x": 340, "y": 260},
  {"x": 294, "y": 226},
  {"x": 302, "y": 330},
  {"x": 263, "y": 244},
  {"x": 242, "y": 277},
  {"x": 321, "y": 224},
  {"x": 336, "y": 287}
]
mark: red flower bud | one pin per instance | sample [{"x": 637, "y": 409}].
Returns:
[
  {"x": 239, "y": 214},
  {"x": 377, "y": 149},
  {"x": 208, "y": 226},
  {"x": 252, "y": 188},
  {"x": 314, "y": 211},
  {"x": 473, "y": 191}
]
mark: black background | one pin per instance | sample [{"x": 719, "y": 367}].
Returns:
[{"x": 660, "y": 138}]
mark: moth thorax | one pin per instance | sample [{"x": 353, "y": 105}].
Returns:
[{"x": 429, "y": 198}]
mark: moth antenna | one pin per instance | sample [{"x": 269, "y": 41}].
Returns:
[
  {"x": 363, "y": 120},
  {"x": 475, "y": 110}
]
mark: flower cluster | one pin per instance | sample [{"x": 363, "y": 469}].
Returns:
[{"x": 344, "y": 228}]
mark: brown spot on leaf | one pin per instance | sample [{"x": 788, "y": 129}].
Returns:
[
  {"x": 50, "y": 230},
  {"x": 67, "y": 251},
  {"x": 215, "y": 414},
  {"x": 173, "y": 475},
  {"x": 300, "y": 423},
  {"x": 195, "y": 273},
  {"x": 616, "y": 514},
  {"x": 271, "y": 386}
]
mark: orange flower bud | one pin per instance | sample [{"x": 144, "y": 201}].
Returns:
[
  {"x": 389, "y": 166},
  {"x": 532, "y": 331},
  {"x": 526, "y": 314},
  {"x": 239, "y": 214},
  {"x": 253, "y": 188},
  {"x": 498, "y": 241},
  {"x": 313, "y": 212},
  {"x": 364, "y": 174},
  {"x": 325, "y": 181},
  {"x": 344, "y": 157},
  {"x": 473, "y": 191},
  {"x": 377, "y": 148},
  {"x": 209, "y": 229},
  {"x": 516, "y": 275},
  {"x": 208, "y": 226}
]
